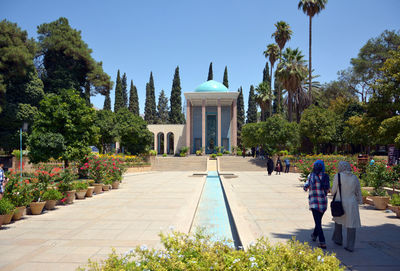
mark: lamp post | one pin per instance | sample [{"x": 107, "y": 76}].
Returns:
[{"x": 24, "y": 128}]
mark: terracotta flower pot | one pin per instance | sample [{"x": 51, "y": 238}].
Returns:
[
  {"x": 1, "y": 219},
  {"x": 70, "y": 196},
  {"x": 18, "y": 213},
  {"x": 80, "y": 194},
  {"x": 395, "y": 209},
  {"x": 380, "y": 203},
  {"x": 50, "y": 204},
  {"x": 89, "y": 192},
  {"x": 106, "y": 187},
  {"x": 364, "y": 199},
  {"x": 8, "y": 217},
  {"x": 115, "y": 185},
  {"x": 37, "y": 207},
  {"x": 98, "y": 188}
]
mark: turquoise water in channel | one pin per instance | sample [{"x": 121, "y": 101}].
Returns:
[{"x": 212, "y": 213}]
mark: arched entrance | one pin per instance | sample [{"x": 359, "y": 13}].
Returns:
[
  {"x": 161, "y": 142},
  {"x": 170, "y": 143}
]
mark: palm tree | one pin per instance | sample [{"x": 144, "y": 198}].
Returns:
[
  {"x": 282, "y": 34},
  {"x": 272, "y": 53},
  {"x": 311, "y": 7},
  {"x": 291, "y": 72},
  {"x": 264, "y": 99}
]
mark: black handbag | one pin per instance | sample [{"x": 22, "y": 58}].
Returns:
[{"x": 336, "y": 206}]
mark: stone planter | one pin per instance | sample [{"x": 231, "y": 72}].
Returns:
[
  {"x": 395, "y": 209},
  {"x": 70, "y": 196},
  {"x": 106, "y": 187},
  {"x": 115, "y": 185},
  {"x": 364, "y": 199},
  {"x": 50, "y": 204},
  {"x": 89, "y": 192},
  {"x": 18, "y": 213},
  {"x": 80, "y": 194},
  {"x": 37, "y": 207},
  {"x": 380, "y": 203},
  {"x": 98, "y": 188},
  {"x": 1, "y": 220},
  {"x": 8, "y": 217}
]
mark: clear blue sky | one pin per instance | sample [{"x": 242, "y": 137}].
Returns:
[{"x": 142, "y": 36}]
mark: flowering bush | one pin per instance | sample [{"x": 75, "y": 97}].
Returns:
[
  {"x": 64, "y": 180},
  {"x": 103, "y": 168},
  {"x": 197, "y": 252},
  {"x": 17, "y": 191}
]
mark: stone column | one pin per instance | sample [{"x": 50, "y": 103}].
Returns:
[
  {"x": 203, "y": 125},
  {"x": 188, "y": 125},
  {"x": 219, "y": 123},
  {"x": 234, "y": 122}
]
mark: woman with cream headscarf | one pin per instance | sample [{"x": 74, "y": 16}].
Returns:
[{"x": 351, "y": 197}]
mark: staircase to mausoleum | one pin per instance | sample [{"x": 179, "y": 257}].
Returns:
[
  {"x": 238, "y": 163},
  {"x": 190, "y": 163}
]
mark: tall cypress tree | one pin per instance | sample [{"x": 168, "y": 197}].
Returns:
[
  {"x": 252, "y": 107},
  {"x": 210, "y": 73},
  {"x": 266, "y": 76},
  {"x": 175, "y": 115},
  {"x": 240, "y": 115},
  {"x": 225, "y": 80},
  {"x": 125, "y": 90},
  {"x": 119, "y": 98},
  {"x": 107, "y": 101},
  {"x": 150, "y": 112},
  {"x": 133, "y": 100},
  {"x": 275, "y": 107},
  {"x": 162, "y": 108}
]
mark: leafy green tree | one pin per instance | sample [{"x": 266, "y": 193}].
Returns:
[
  {"x": 175, "y": 115},
  {"x": 252, "y": 107},
  {"x": 225, "y": 80},
  {"x": 162, "y": 108},
  {"x": 311, "y": 8},
  {"x": 318, "y": 125},
  {"x": 64, "y": 127},
  {"x": 119, "y": 95},
  {"x": 357, "y": 131},
  {"x": 124, "y": 85},
  {"x": 17, "y": 52},
  {"x": 150, "y": 112},
  {"x": 291, "y": 73},
  {"x": 240, "y": 115},
  {"x": 210, "y": 72},
  {"x": 107, "y": 101},
  {"x": 133, "y": 100},
  {"x": 67, "y": 60},
  {"x": 105, "y": 121},
  {"x": 132, "y": 132}
]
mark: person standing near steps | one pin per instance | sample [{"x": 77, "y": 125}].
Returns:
[
  {"x": 351, "y": 197},
  {"x": 318, "y": 186}
]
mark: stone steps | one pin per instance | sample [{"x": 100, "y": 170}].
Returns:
[
  {"x": 236, "y": 163},
  {"x": 190, "y": 163}
]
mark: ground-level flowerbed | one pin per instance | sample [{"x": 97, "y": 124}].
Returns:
[
  {"x": 197, "y": 252},
  {"x": 47, "y": 187}
]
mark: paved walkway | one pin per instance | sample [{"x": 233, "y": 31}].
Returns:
[
  {"x": 66, "y": 238},
  {"x": 277, "y": 207}
]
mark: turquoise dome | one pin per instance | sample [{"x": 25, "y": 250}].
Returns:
[{"x": 211, "y": 86}]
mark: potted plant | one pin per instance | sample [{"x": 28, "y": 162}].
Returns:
[
  {"x": 106, "y": 184},
  {"x": 65, "y": 185},
  {"x": 199, "y": 152},
  {"x": 89, "y": 192},
  {"x": 6, "y": 211},
  {"x": 81, "y": 189},
  {"x": 365, "y": 194},
  {"x": 18, "y": 193},
  {"x": 395, "y": 204},
  {"x": 376, "y": 176},
  {"x": 213, "y": 156},
  {"x": 37, "y": 190},
  {"x": 51, "y": 196}
]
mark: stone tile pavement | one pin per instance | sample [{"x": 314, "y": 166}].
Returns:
[
  {"x": 277, "y": 207},
  {"x": 66, "y": 238}
]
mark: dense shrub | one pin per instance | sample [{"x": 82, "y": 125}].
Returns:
[
  {"x": 198, "y": 252},
  {"x": 6, "y": 206}
]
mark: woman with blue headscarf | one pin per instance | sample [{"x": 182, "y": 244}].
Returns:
[{"x": 318, "y": 186}]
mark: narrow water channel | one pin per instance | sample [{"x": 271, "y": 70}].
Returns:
[{"x": 213, "y": 212}]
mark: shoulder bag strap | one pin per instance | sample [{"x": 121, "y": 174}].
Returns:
[{"x": 340, "y": 187}]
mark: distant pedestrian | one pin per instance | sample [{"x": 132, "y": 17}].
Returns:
[
  {"x": 244, "y": 152},
  {"x": 270, "y": 165},
  {"x": 371, "y": 162},
  {"x": 3, "y": 180},
  {"x": 351, "y": 197},
  {"x": 287, "y": 165},
  {"x": 318, "y": 186},
  {"x": 258, "y": 151},
  {"x": 278, "y": 167}
]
